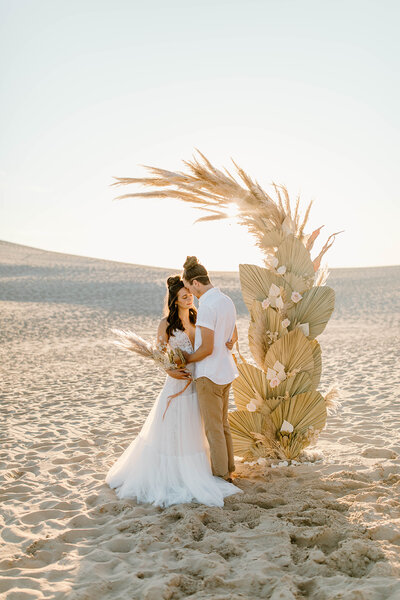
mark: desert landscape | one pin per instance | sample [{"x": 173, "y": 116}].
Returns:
[{"x": 325, "y": 528}]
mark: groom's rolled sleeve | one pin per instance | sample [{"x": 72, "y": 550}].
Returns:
[{"x": 206, "y": 317}]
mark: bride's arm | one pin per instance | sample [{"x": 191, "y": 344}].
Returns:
[
  {"x": 233, "y": 339},
  {"x": 162, "y": 337}
]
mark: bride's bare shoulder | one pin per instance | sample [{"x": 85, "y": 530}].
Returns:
[
  {"x": 162, "y": 328},
  {"x": 163, "y": 323}
]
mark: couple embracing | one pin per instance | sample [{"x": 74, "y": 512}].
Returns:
[{"x": 187, "y": 456}]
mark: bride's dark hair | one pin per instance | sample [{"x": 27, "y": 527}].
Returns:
[{"x": 171, "y": 309}]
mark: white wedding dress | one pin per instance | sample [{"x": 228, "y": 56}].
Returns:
[{"x": 168, "y": 462}]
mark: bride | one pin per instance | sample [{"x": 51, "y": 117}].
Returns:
[{"x": 168, "y": 462}]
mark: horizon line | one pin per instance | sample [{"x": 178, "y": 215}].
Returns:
[{"x": 167, "y": 268}]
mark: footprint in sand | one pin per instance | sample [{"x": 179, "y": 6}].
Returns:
[{"x": 372, "y": 452}]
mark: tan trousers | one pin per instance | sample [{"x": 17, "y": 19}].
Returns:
[{"x": 213, "y": 402}]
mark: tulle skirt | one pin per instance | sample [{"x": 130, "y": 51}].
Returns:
[{"x": 168, "y": 461}]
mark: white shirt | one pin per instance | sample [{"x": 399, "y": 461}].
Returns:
[{"x": 217, "y": 312}]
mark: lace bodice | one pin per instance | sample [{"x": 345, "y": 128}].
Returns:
[{"x": 180, "y": 339}]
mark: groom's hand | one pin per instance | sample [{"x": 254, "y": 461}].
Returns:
[{"x": 229, "y": 344}]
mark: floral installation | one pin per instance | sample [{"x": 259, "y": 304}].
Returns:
[{"x": 289, "y": 290}]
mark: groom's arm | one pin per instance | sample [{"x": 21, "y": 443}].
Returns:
[{"x": 206, "y": 348}]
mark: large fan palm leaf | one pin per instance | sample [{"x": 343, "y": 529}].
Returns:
[
  {"x": 315, "y": 308},
  {"x": 293, "y": 255},
  {"x": 294, "y": 351},
  {"x": 302, "y": 411}
]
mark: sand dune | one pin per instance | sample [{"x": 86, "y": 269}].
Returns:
[{"x": 326, "y": 529}]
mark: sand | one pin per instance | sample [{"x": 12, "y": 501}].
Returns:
[{"x": 326, "y": 529}]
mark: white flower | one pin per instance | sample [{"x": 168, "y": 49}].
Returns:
[
  {"x": 271, "y": 260},
  {"x": 278, "y": 366},
  {"x": 265, "y": 303},
  {"x": 274, "y": 291},
  {"x": 251, "y": 407},
  {"x": 285, "y": 323},
  {"x": 275, "y": 381},
  {"x": 296, "y": 296},
  {"x": 280, "y": 370},
  {"x": 287, "y": 427},
  {"x": 279, "y": 302},
  {"x": 305, "y": 327},
  {"x": 276, "y": 375},
  {"x": 281, "y": 270}
]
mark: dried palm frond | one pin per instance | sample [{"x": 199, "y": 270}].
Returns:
[
  {"x": 294, "y": 351},
  {"x": 292, "y": 253},
  {"x": 253, "y": 435},
  {"x": 327, "y": 245},
  {"x": 242, "y": 423},
  {"x": 251, "y": 385},
  {"x": 265, "y": 328},
  {"x": 312, "y": 237},
  {"x": 272, "y": 239},
  {"x": 315, "y": 308},
  {"x": 301, "y": 411},
  {"x": 317, "y": 357},
  {"x": 321, "y": 275},
  {"x": 297, "y": 283},
  {"x": 297, "y": 384},
  {"x": 256, "y": 283}
]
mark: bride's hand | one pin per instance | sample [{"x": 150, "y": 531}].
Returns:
[{"x": 179, "y": 374}]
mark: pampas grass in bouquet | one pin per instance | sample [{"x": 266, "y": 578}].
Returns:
[
  {"x": 279, "y": 408},
  {"x": 164, "y": 358}
]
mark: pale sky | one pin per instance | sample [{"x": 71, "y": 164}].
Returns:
[{"x": 300, "y": 92}]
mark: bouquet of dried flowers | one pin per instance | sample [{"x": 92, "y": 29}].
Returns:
[{"x": 164, "y": 358}]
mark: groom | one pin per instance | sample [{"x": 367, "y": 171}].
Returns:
[{"x": 215, "y": 368}]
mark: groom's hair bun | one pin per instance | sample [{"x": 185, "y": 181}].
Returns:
[
  {"x": 190, "y": 262},
  {"x": 173, "y": 280},
  {"x": 192, "y": 270}
]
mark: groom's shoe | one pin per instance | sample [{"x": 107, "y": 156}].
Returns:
[{"x": 228, "y": 478}]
